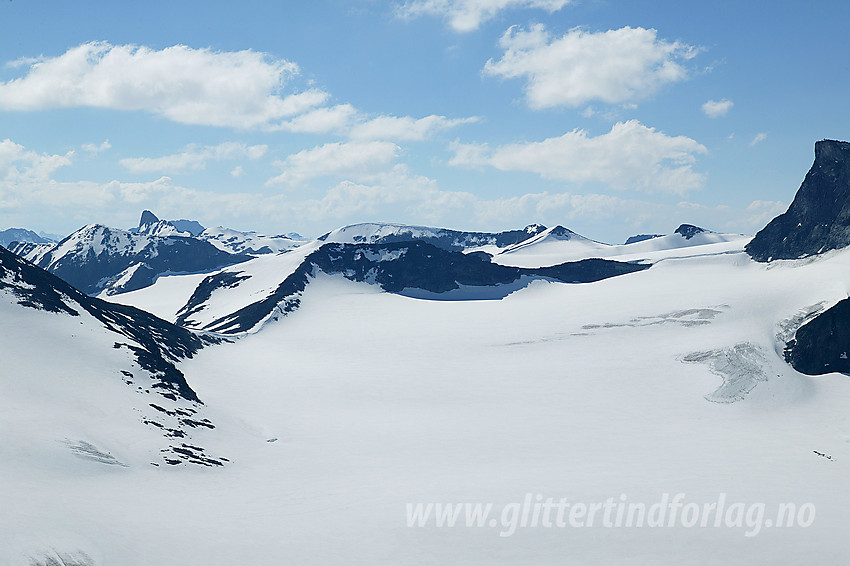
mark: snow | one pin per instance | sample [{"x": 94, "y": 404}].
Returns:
[
  {"x": 377, "y": 400},
  {"x": 369, "y": 232},
  {"x": 164, "y": 298},
  {"x": 233, "y": 241},
  {"x": 546, "y": 249},
  {"x": 97, "y": 239}
]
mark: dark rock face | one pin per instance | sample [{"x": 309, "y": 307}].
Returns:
[
  {"x": 818, "y": 219},
  {"x": 823, "y": 344},
  {"x": 148, "y": 218},
  {"x": 156, "y": 344},
  {"x": 688, "y": 231},
  {"x": 396, "y": 267}
]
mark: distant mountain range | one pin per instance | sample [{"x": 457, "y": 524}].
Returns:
[{"x": 232, "y": 282}]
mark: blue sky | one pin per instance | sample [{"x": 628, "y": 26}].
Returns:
[{"x": 611, "y": 118}]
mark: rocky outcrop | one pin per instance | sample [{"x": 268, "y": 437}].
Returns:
[
  {"x": 823, "y": 344},
  {"x": 818, "y": 219},
  {"x": 688, "y": 231}
]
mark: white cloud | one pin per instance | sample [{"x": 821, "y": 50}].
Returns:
[
  {"x": 320, "y": 120},
  {"x": 613, "y": 66},
  {"x": 241, "y": 89},
  {"x": 237, "y": 172},
  {"x": 95, "y": 149},
  {"x": 353, "y": 160},
  {"x": 468, "y": 15},
  {"x": 405, "y": 128},
  {"x": 717, "y": 108},
  {"x": 194, "y": 158},
  {"x": 763, "y": 211},
  {"x": 630, "y": 156},
  {"x": 18, "y": 164},
  {"x": 758, "y": 139}
]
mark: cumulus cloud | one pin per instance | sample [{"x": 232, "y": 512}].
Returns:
[
  {"x": 336, "y": 119},
  {"x": 195, "y": 157},
  {"x": 354, "y": 160},
  {"x": 240, "y": 89},
  {"x": 18, "y": 164},
  {"x": 630, "y": 156},
  {"x": 717, "y": 108},
  {"x": 468, "y": 15},
  {"x": 405, "y": 128},
  {"x": 95, "y": 149},
  {"x": 758, "y": 139},
  {"x": 613, "y": 66}
]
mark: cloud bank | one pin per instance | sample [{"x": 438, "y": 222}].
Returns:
[{"x": 630, "y": 156}]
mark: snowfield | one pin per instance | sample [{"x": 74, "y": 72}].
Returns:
[{"x": 360, "y": 402}]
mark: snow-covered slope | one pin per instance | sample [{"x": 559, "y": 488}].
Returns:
[
  {"x": 31, "y": 251},
  {"x": 75, "y": 366},
  {"x": 557, "y": 245}
]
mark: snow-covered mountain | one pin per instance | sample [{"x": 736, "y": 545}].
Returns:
[
  {"x": 251, "y": 243},
  {"x": 385, "y": 233},
  {"x": 98, "y": 259},
  {"x": 557, "y": 245}
]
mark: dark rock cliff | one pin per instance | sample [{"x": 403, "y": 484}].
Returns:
[{"x": 818, "y": 219}]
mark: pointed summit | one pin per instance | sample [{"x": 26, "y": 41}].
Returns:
[
  {"x": 819, "y": 218},
  {"x": 148, "y": 218}
]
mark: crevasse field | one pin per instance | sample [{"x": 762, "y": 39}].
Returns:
[{"x": 337, "y": 416}]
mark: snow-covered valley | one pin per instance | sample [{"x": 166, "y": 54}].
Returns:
[{"x": 360, "y": 402}]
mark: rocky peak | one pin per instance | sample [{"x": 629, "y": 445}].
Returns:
[
  {"x": 688, "y": 231},
  {"x": 818, "y": 219},
  {"x": 148, "y": 218}
]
